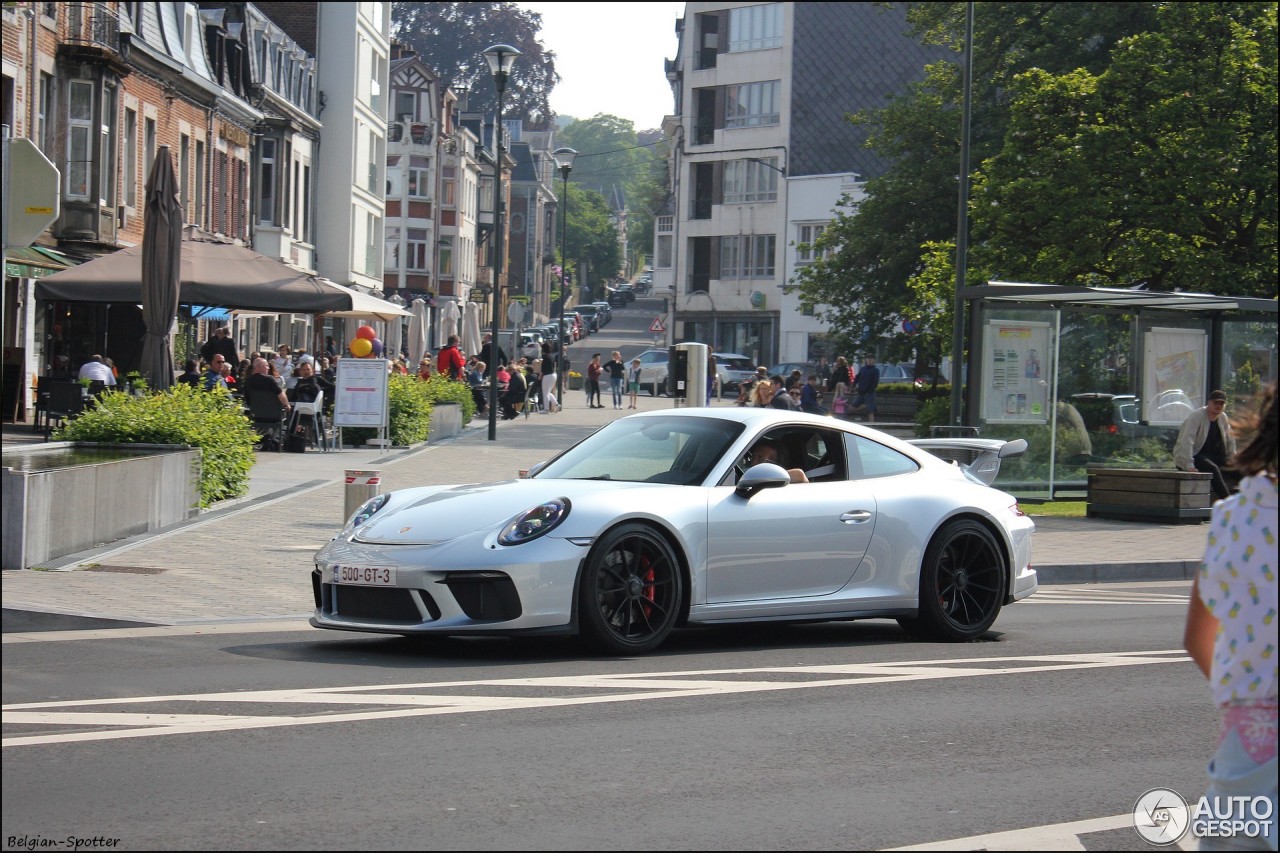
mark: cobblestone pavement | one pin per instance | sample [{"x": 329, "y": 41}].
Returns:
[{"x": 250, "y": 559}]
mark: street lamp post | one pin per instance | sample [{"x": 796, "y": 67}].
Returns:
[
  {"x": 564, "y": 162},
  {"x": 501, "y": 58}
]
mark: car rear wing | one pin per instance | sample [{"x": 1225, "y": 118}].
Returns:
[{"x": 980, "y": 457}]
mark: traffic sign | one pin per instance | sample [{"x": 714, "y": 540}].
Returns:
[
  {"x": 32, "y": 194},
  {"x": 515, "y": 313},
  {"x": 656, "y": 325}
]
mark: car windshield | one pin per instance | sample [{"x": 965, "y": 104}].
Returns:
[
  {"x": 743, "y": 364},
  {"x": 675, "y": 450}
]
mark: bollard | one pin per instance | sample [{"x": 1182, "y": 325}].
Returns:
[{"x": 361, "y": 485}]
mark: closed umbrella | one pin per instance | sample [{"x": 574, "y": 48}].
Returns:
[
  {"x": 471, "y": 329},
  {"x": 395, "y": 337},
  {"x": 447, "y": 318},
  {"x": 161, "y": 270},
  {"x": 417, "y": 340}
]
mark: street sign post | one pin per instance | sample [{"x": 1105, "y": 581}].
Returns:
[{"x": 656, "y": 326}]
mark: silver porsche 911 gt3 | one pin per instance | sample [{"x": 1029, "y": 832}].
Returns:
[{"x": 665, "y": 519}]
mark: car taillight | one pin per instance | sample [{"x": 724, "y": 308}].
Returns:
[
  {"x": 1111, "y": 429},
  {"x": 1016, "y": 510}
]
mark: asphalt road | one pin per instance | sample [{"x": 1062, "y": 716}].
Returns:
[{"x": 769, "y": 737}]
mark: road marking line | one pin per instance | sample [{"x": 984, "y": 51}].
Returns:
[
  {"x": 424, "y": 702},
  {"x": 1052, "y": 836}
]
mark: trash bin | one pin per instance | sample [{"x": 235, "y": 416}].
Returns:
[{"x": 361, "y": 485}]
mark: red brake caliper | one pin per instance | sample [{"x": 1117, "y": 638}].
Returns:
[{"x": 646, "y": 572}]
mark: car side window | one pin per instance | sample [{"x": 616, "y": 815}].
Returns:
[{"x": 868, "y": 459}]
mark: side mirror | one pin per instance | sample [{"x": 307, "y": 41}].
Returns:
[
  {"x": 526, "y": 473},
  {"x": 766, "y": 475}
]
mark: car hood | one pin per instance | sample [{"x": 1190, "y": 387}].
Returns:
[{"x": 434, "y": 515}]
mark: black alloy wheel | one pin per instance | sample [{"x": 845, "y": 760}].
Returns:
[
  {"x": 630, "y": 593},
  {"x": 962, "y": 584}
]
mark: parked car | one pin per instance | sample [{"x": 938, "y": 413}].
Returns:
[
  {"x": 658, "y": 520},
  {"x": 784, "y": 369},
  {"x": 627, "y": 292},
  {"x": 605, "y": 311},
  {"x": 653, "y": 370},
  {"x": 905, "y": 372},
  {"x": 590, "y": 315},
  {"x": 1109, "y": 414},
  {"x": 732, "y": 369}
]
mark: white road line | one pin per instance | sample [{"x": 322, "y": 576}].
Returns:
[
  {"x": 1053, "y": 836},
  {"x": 434, "y": 698}
]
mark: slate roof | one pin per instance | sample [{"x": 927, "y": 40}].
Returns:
[{"x": 848, "y": 57}]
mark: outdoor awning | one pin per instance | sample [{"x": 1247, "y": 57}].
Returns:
[
  {"x": 209, "y": 312},
  {"x": 214, "y": 273},
  {"x": 366, "y": 307},
  {"x": 35, "y": 262}
]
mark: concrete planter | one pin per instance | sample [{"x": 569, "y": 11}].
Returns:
[
  {"x": 65, "y": 497},
  {"x": 446, "y": 422}
]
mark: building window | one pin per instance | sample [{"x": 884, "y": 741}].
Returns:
[
  {"x": 663, "y": 251},
  {"x": 131, "y": 158},
  {"x": 406, "y": 106},
  {"x": 267, "y": 183},
  {"x": 48, "y": 110},
  {"x": 148, "y": 147},
  {"x": 304, "y": 200},
  {"x": 198, "y": 219},
  {"x": 446, "y": 262},
  {"x": 107, "y": 149},
  {"x": 184, "y": 175},
  {"x": 755, "y": 27},
  {"x": 750, "y": 180},
  {"x": 806, "y": 236},
  {"x": 418, "y": 250},
  {"x": 79, "y": 138},
  {"x": 751, "y": 104},
  {"x": 747, "y": 256},
  {"x": 419, "y": 177}
]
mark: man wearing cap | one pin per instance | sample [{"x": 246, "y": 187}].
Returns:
[{"x": 1205, "y": 443}]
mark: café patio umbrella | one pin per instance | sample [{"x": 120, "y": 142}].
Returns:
[
  {"x": 214, "y": 271},
  {"x": 417, "y": 338},
  {"x": 161, "y": 266},
  {"x": 447, "y": 317},
  {"x": 395, "y": 337},
  {"x": 471, "y": 329}
]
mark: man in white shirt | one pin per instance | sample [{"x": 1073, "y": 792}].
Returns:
[{"x": 96, "y": 370}]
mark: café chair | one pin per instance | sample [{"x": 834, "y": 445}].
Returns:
[
  {"x": 313, "y": 412},
  {"x": 268, "y": 417}
]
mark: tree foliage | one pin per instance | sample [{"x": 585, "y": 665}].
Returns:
[
  {"x": 590, "y": 239},
  {"x": 611, "y": 158},
  {"x": 1111, "y": 144},
  {"x": 451, "y": 39}
]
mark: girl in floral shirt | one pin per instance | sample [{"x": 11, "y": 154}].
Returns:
[{"x": 1232, "y": 628}]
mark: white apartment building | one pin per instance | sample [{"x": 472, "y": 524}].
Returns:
[{"x": 761, "y": 91}]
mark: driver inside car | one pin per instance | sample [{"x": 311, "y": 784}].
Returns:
[{"x": 767, "y": 451}]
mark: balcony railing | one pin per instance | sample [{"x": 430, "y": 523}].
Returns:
[{"x": 94, "y": 25}]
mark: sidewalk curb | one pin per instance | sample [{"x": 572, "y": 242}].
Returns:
[{"x": 1166, "y": 570}]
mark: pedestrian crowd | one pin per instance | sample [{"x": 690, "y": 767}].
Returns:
[{"x": 846, "y": 393}]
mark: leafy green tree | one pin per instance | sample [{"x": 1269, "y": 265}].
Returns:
[
  {"x": 1160, "y": 171},
  {"x": 612, "y": 158},
  {"x": 590, "y": 239},
  {"x": 451, "y": 39},
  {"x": 1112, "y": 143}
]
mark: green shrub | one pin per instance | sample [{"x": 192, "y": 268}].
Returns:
[
  {"x": 410, "y": 400},
  {"x": 210, "y": 420},
  {"x": 932, "y": 412}
]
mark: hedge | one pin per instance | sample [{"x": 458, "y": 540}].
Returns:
[
  {"x": 411, "y": 400},
  {"x": 210, "y": 420}
]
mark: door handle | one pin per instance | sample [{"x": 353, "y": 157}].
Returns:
[{"x": 856, "y": 516}]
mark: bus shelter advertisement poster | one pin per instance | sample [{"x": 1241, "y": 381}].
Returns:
[{"x": 1018, "y": 369}]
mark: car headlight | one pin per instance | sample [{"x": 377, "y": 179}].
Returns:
[
  {"x": 366, "y": 512},
  {"x": 535, "y": 522}
]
